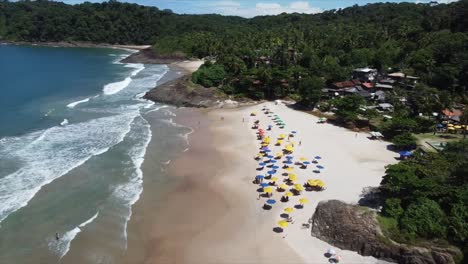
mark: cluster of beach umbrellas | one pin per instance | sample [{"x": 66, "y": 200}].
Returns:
[{"x": 270, "y": 183}]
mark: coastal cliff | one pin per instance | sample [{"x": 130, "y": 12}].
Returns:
[
  {"x": 353, "y": 228},
  {"x": 149, "y": 56}
]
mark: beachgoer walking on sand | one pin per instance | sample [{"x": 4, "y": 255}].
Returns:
[
  {"x": 300, "y": 142},
  {"x": 243, "y": 120},
  {"x": 355, "y": 135},
  {"x": 57, "y": 237}
]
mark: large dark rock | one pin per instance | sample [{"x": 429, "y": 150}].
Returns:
[
  {"x": 181, "y": 92},
  {"x": 355, "y": 228}
]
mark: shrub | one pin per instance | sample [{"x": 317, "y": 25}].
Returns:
[
  {"x": 209, "y": 75},
  {"x": 405, "y": 140},
  {"x": 424, "y": 218},
  {"x": 392, "y": 208}
]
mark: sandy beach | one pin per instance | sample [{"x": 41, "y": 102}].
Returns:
[{"x": 209, "y": 212}]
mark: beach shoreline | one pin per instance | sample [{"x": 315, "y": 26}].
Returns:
[{"x": 210, "y": 212}]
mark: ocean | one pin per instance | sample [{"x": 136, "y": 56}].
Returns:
[{"x": 73, "y": 137}]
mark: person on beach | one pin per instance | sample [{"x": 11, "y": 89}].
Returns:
[
  {"x": 57, "y": 237},
  {"x": 300, "y": 142}
]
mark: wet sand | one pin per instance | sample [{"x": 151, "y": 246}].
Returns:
[{"x": 207, "y": 214}]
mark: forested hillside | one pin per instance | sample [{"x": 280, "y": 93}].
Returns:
[{"x": 265, "y": 57}]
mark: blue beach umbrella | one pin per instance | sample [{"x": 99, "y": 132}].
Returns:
[
  {"x": 288, "y": 162},
  {"x": 271, "y": 201},
  {"x": 262, "y": 164},
  {"x": 406, "y": 153},
  {"x": 306, "y": 163},
  {"x": 270, "y": 156},
  {"x": 293, "y": 132},
  {"x": 259, "y": 177},
  {"x": 263, "y": 185},
  {"x": 264, "y": 148},
  {"x": 271, "y": 172},
  {"x": 289, "y": 157},
  {"x": 272, "y": 161},
  {"x": 320, "y": 167},
  {"x": 275, "y": 167},
  {"x": 270, "y": 126},
  {"x": 317, "y": 157},
  {"x": 267, "y": 150}
]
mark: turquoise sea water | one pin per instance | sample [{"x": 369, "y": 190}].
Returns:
[{"x": 73, "y": 136}]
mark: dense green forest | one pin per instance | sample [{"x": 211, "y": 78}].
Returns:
[
  {"x": 295, "y": 56},
  {"x": 270, "y": 56},
  {"x": 427, "y": 197}
]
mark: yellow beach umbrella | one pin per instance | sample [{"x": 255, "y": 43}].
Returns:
[
  {"x": 288, "y": 194},
  {"x": 303, "y": 200},
  {"x": 268, "y": 189},
  {"x": 312, "y": 182},
  {"x": 292, "y": 177},
  {"x": 298, "y": 187},
  {"x": 259, "y": 155},
  {"x": 282, "y": 136},
  {"x": 283, "y": 223},
  {"x": 450, "y": 125},
  {"x": 457, "y": 127},
  {"x": 279, "y": 154},
  {"x": 283, "y": 186},
  {"x": 303, "y": 159},
  {"x": 319, "y": 183},
  {"x": 289, "y": 169},
  {"x": 273, "y": 179},
  {"x": 289, "y": 210},
  {"x": 451, "y": 128}
]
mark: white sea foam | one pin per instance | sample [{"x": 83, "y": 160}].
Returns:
[
  {"x": 157, "y": 108},
  {"x": 64, "y": 122},
  {"x": 52, "y": 153},
  {"x": 62, "y": 246},
  {"x": 130, "y": 192},
  {"x": 115, "y": 87},
  {"x": 166, "y": 162},
  {"x": 72, "y": 105},
  {"x": 137, "y": 66}
]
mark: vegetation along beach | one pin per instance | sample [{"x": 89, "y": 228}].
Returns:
[{"x": 234, "y": 132}]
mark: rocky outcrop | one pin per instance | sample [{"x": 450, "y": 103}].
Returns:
[
  {"x": 355, "y": 228},
  {"x": 149, "y": 56},
  {"x": 181, "y": 92}
]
